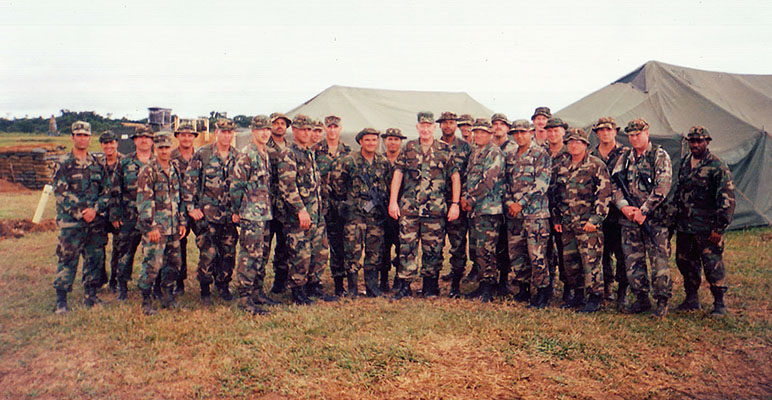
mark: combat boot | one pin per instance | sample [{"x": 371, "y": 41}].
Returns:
[
  {"x": 339, "y": 289},
  {"x": 486, "y": 291},
  {"x": 592, "y": 305},
  {"x": 279, "y": 282},
  {"x": 576, "y": 301},
  {"x": 502, "y": 289},
  {"x": 371, "y": 284},
  {"x": 661, "y": 308},
  {"x": 91, "y": 297},
  {"x": 179, "y": 290},
  {"x": 622, "y": 302},
  {"x": 61, "y": 302},
  {"x": 250, "y": 307},
  {"x": 524, "y": 295},
  {"x": 224, "y": 291},
  {"x": 315, "y": 290},
  {"x": 691, "y": 302},
  {"x": 147, "y": 302},
  {"x": 608, "y": 291},
  {"x": 427, "y": 288},
  {"x": 113, "y": 286},
  {"x": 259, "y": 297},
  {"x": 404, "y": 291},
  {"x": 167, "y": 298},
  {"x": 719, "y": 308},
  {"x": 157, "y": 288},
  {"x": 567, "y": 295},
  {"x": 123, "y": 291},
  {"x": 299, "y": 296},
  {"x": 542, "y": 298},
  {"x": 397, "y": 283},
  {"x": 352, "y": 279},
  {"x": 455, "y": 285},
  {"x": 206, "y": 295},
  {"x": 384, "y": 275},
  {"x": 642, "y": 304}
]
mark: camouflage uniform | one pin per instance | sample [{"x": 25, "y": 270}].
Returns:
[
  {"x": 705, "y": 199},
  {"x": 528, "y": 177},
  {"x": 423, "y": 206},
  {"x": 554, "y": 254},
  {"x": 390, "y": 226},
  {"x": 276, "y": 225},
  {"x": 457, "y": 229},
  {"x": 503, "y": 260},
  {"x": 648, "y": 177},
  {"x": 207, "y": 188},
  {"x": 333, "y": 218},
  {"x": 159, "y": 208},
  {"x": 580, "y": 194},
  {"x": 250, "y": 193},
  {"x": 182, "y": 166},
  {"x": 107, "y": 228}
]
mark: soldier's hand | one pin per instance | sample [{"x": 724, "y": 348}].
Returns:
[
  {"x": 394, "y": 210},
  {"x": 558, "y": 228},
  {"x": 588, "y": 227},
  {"x": 154, "y": 235},
  {"x": 235, "y": 218},
  {"x": 629, "y": 212},
  {"x": 639, "y": 218},
  {"x": 453, "y": 212},
  {"x": 514, "y": 209},
  {"x": 182, "y": 231},
  {"x": 117, "y": 224},
  {"x": 305, "y": 219},
  {"x": 196, "y": 214},
  {"x": 715, "y": 237},
  {"x": 89, "y": 214}
]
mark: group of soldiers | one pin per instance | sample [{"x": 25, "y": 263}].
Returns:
[{"x": 526, "y": 199}]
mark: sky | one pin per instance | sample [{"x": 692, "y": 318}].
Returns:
[{"x": 256, "y": 57}]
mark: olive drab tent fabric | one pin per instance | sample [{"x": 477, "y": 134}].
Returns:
[{"x": 736, "y": 109}]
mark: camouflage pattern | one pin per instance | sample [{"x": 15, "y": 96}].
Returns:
[
  {"x": 484, "y": 230},
  {"x": 503, "y": 261},
  {"x": 276, "y": 227},
  {"x": 159, "y": 208},
  {"x": 520, "y": 125},
  {"x": 636, "y": 245},
  {"x": 500, "y": 117},
  {"x": 217, "y": 252},
  {"x": 484, "y": 187},
  {"x": 695, "y": 253},
  {"x": 545, "y": 111},
  {"x": 426, "y": 116},
  {"x": 186, "y": 126},
  {"x": 426, "y": 178},
  {"x": 106, "y": 227},
  {"x": 390, "y": 230},
  {"x": 107, "y": 136},
  {"x": 447, "y": 116},
  {"x": 636, "y": 125},
  {"x": 430, "y": 231},
  {"x": 698, "y": 132},
  {"x": 605, "y": 122},
  {"x": 182, "y": 166},
  {"x": 393, "y": 132},
  {"x": 331, "y": 120},
  {"x": 465, "y": 119},
  {"x": 260, "y": 122},
  {"x": 649, "y": 182},
  {"x": 250, "y": 266},
  {"x": 225, "y": 124},
  {"x": 79, "y": 185},
  {"x": 581, "y": 255},
  {"x": 250, "y": 188},
  {"x": 555, "y": 122},
  {"x": 142, "y": 130},
  {"x": 81, "y": 127},
  {"x": 554, "y": 255},
  {"x": 527, "y": 248},
  {"x": 457, "y": 229},
  {"x": 365, "y": 132}
]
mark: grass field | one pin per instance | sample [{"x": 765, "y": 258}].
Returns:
[{"x": 371, "y": 348}]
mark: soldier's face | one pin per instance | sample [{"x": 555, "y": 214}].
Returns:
[
  {"x": 606, "y": 135},
  {"x": 316, "y": 135},
  {"x": 639, "y": 140},
  {"x": 426, "y": 130},
  {"x": 332, "y": 131},
  {"x": 110, "y": 148},
  {"x": 555, "y": 134},
  {"x": 481, "y": 137},
  {"x": 369, "y": 143},
  {"x": 279, "y": 127},
  {"x": 539, "y": 122},
  {"x": 163, "y": 153},
  {"x": 448, "y": 127},
  {"x": 186, "y": 139},
  {"x": 224, "y": 138},
  {"x": 522, "y": 138},
  {"x": 392, "y": 144},
  {"x": 143, "y": 143},
  {"x": 698, "y": 147},
  {"x": 576, "y": 147},
  {"x": 466, "y": 132},
  {"x": 301, "y": 135},
  {"x": 261, "y": 135},
  {"x": 500, "y": 128},
  {"x": 80, "y": 141}
]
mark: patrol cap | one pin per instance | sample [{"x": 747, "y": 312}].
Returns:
[
  {"x": 545, "y": 111},
  {"x": 698, "y": 132},
  {"x": 393, "y": 132},
  {"x": 447, "y": 116},
  {"x": 520, "y": 125},
  {"x": 163, "y": 140},
  {"x": 498, "y": 117},
  {"x": 318, "y": 125},
  {"x": 81, "y": 127},
  {"x": 367, "y": 131},
  {"x": 605, "y": 122},
  {"x": 142, "y": 130},
  {"x": 576, "y": 134},
  {"x": 331, "y": 120},
  {"x": 260, "y": 122},
  {"x": 465, "y": 119},
  {"x": 555, "y": 122},
  {"x": 108, "y": 136},
  {"x": 301, "y": 121},
  {"x": 482, "y": 124},
  {"x": 186, "y": 127},
  {"x": 225, "y": 124},
  {"x": 636, "y": 125},
  {"x": 277, "y": 116},
  {"x": 425, "y": 116}
]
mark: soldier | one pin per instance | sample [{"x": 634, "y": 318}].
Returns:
[
  {"x": 392, "y": 142},
  {"x": 250, "y": 193},
  {"x": 186, "y": 133},
  {"x": 704, "y": 196},
  {"x": 276, "y": 144},
  {"x": 456, "y": 230},
  {"x": 161, "y": 219},
  {"x": 465, "y": 122},
  {"x": 556, "y": 130},
  {"x": 539, "y": 118},
  {"x": 317, "y": 134},
  {"x": 528, "y": 172},
  {"x": 300, "y": 188},
  {"x": 609, "y": 150},
  {"x": 360, "y": 181},
  {"x": 109, "y": 143},
  {"x": 500, "y": 125},
  {"x": 424, "y": 169},
  {"x": 482, "y": 199},
  {"x": 123, "y": 209},
  {"x": 81, "y": 194},
  {"x": 644, "y": 173},
  {"x": 206, "y": 194},
  {"x": 580, "y": 191},
  {"x": 327, "y": 153}
]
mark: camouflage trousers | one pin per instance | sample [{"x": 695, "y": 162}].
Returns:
[
  {"x": 457, "y": 232},
  {"x": 217, "y": 253},
  {"x": 308, "y": 253},
  {"x": 335, "y": 237},
  {"x": 554, "y": 257},
  {"x": 527, "y": 246},
  {"x": 250, "y": 267},
  {"x": 484, "y": 233},
  {"x": 363, "y": 232},
  {"x": 390, "y": 239},
  {"x": 612, "y": 246},
  {"x": 695, "y": 253},
  {"x": 430, "y": 232},
  {"x": 129, "y": 238},
  {"x": 582, "y": 253},
  {"x": 74, "y": 243},
  {"x": 161, "y": 258},
  {"x": 636, "y": 245},
  {"x": 280, "y": 251}
]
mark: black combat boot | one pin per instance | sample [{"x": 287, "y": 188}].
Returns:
[
  {"x": 396, "y": 284},
  {"x": 641, "y": 304},
  {"x": 147, "y": 302},
  {"x": 661, "y": 307},
  {"x": 299, "y": 296},
  {"x": 576, "y": 301},
  {"x": 352, "y": 279},
  {"x": 622, "y": 302},
  {"x": 542, "y": 298},
  {"x": 592, "y": 305},
  {"x": 259, "y": 297},
  {"x": 167, "y": 298},
  {"x": 247, "y": 305},
  {"x": 608, "y": 291},
  {"x": 316, "y": 290},
  {"x": 524, "y": 295},
  {"x": 384, "y": 275},
  {"x": 157, "y": 287},
  {"x": 279, "y": 282},
  {"x": 567, "y": 295},
  {"x": 427, "y": 288},
  {"x": 61, "y": 302},
  {"x": 91, "y": 297},
  {"x": 502, "y": 288},
  {"x": 719, "y": 308},
  {"x": 113, "y": 285},
  {"x": 339, "y": 289},
  {"x": 404, "y": 291},
  {"x": 371, "y": 284},
  {"x": 123, "y": 291},
  {"x": 486, "y": 291},
  {"x": 179, "y": 290},
  {"x": 692, "y": 300},
  {"x": 224, "y": 291},
  {"x": 455, "y": 285},
  {"x": 206, "y": 295}
]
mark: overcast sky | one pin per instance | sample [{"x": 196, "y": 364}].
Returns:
[{"x": 250, "y": 57}]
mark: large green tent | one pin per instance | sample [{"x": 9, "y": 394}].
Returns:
[{"x": 736, "y": 109}]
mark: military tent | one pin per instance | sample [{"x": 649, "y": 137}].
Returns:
[{"x": 735, "y": 108}]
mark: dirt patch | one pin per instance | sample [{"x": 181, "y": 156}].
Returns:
[
  {"x": 16, "y": 228},
  {"x": 28, "y": 147},
  {"x": 12, "y": 187}
]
